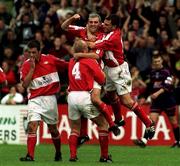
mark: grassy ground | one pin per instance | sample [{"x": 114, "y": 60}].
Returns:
[{"x": 89, "y": 155}]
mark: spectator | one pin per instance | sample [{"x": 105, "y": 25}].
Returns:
[
  {"x": 25, "y": 25},
  {"x": 48, "y": 32},
  {"x": 138, "y": 85},
  {"x": 52, "y": 14},
  {"x": 10, "y": 76},
  {"x": 43, "y": 9},
  {"x": 2, "y": 76},
  {"x": 9, "y": 55},
  {"x": 60, "y": 49},
  {"x": 3, "y": 80},
  {"x": 64, "y": 9},
  {"x": 142, "y": 54},
  {"x": 20, "y": 89},
  {"x": 13, "y": 97},
  {"x": 44, "y": 41},
  {"x": 3, "y": 28},
  {"x": 163, "y": 40},
  {"x": 9, "y": 39},
  {"x": 4, "y": 14}
]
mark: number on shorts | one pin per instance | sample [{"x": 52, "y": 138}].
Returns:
[{"x": 76, "y": 71}]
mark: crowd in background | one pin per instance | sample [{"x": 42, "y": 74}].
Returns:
[{"x": 148, "y": 27}]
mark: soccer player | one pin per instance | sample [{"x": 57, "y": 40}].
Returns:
[
  {"x": 160, "y": 90},
  {"x": 118, "y": 78},
  {"x": 93, "y": 25},
  {"x": 82, "y": 73},
  {"x": 39, "y": 73}
]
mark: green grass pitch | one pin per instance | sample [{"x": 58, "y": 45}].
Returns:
[{"x": 89, "y": 155}]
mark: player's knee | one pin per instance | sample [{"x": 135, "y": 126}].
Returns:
[
  {"x": 103, "y": 124},
  {"x": 32, "y": 127},
  {"x": 127, "y": 101},
  {"x": 95, "y": 99}
]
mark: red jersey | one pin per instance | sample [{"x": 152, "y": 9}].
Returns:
[
  {"x": 2, "y": 76},
  {"x": 113, "y": 46},
  {"x": 83, "y": 73},
  {"x": 45, "y": 79}
]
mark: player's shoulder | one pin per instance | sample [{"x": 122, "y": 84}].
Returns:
[
  {"x": 26, "y": 62},
  {"x": 48, "y": 57}
]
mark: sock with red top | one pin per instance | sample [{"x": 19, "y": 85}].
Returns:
[
  {"x": 73, "y": 140},
  {"x": 103, "y": 141},
  {"x": 31, "y": 143}
]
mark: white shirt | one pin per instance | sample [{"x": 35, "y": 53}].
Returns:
[{"x": 18, "y": 98}]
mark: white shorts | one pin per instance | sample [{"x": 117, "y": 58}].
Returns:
[
  {"x": 43, "y": 108},
  {"x": 96, "y": 85},
  {"x": 79, "y": 104},
  {"x": 119, "y": 79}
]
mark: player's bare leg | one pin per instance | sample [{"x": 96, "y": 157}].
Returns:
[{"x": 56, "y": 141}]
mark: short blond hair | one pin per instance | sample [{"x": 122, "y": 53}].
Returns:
[{"x": 79, "y": 45}]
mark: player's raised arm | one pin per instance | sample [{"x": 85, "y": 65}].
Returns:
[{"x": 69, "y": 21}]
